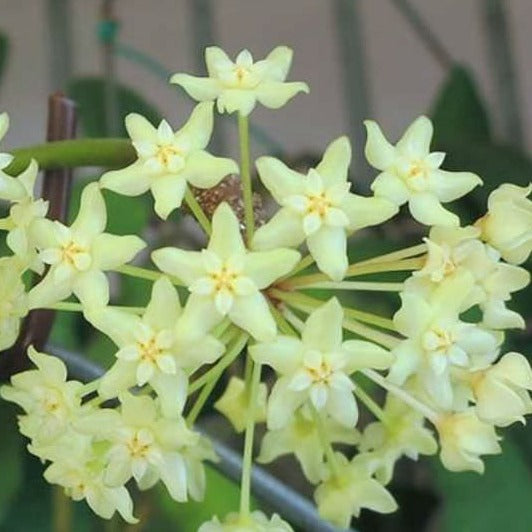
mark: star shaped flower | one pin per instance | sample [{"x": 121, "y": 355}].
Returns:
[
  {"x": 410, "y": 173},
  {"x": 167, "y": 161},
  {"x": 318, "y": 208},
  {"x": 151, "y": 351},
  {"x": 226, "y": 279},
  {"x": 22, "y": 215},
  {"x": 255, "y": 522},
  {"x": 237, "y": 86},
  {"x": 78, "y": 255},
  {"x": 317, "y": 368}
]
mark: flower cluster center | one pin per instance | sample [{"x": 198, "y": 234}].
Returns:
[
  {"x": 150, "y": 350},
  {"x": 70, "y": 252},
  {"x": 321, "y": 373},
  {"x": 224, "y": 279},
  {"x": 318, "y": 204}
]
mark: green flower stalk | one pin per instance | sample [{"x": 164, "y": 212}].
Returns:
[{"x": 248, "y": 295}]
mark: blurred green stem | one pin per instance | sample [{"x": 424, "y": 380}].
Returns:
[
  {"x": 62, "y": 510},
  {"x": 247, "y": 191}
]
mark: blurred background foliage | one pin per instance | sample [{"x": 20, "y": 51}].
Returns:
[{"x": 430, "y": 498}]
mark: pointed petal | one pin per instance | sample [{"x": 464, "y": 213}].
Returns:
[
  {"x": 328, "y": 246},
  {"x": 130, "y": 181},
  {"x": 283, "y": 230},
  {"x": 168, "y": 192},
  {"x": 119, "y": 378},
  {"x": 427, "y": 209},
  {"x": 111, "y": 251},
  {"x": 264, "y": 267},
  {"x": 171, "y": 391},
  {"x": 275, "y": 94},
  {"x": 164, "y": 307},
  {"x": 252, "y": 314},
  {"x": 415, "y": 141},
  {"x": 91, "y": 288},
  {"x": 391, "y": 187},
  {"x": 185, "y": 265},
  {"x": 201, "y": 89},
  {"x": 449, "y": 186},
  {"x": 365, "y": 212},
  {"x": 282, "y": 404},
  {"x": 335, "y": 162},
  {"x": 92, "y": 215},
  {"x": 241, "y": 100},
  {"x": 197, "y": 131},
  {"x": 199, "y": 316},
  {"x": 226, "y": 239},
  {"x": 48, "y": 292},
  {"x": 216, "y": 60},
  {"x": 140, "y": 129},
  {"x": 284, "y": 354},
  {"x": 363, "y": 355},
  {"x": 280, "y": 180},
  {"x": 118, "y": 325},
  {"x": 276, "y": 64},
  {"x": 204, "y": 170},
  {"x": 379, "y": 152},
  {"x": 323, "y": 328}
]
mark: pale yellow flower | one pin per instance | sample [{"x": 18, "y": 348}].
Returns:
[
  {"x": 255, "y": 522},
  {"x": 167, "y": 161},
  {"x": 463, "y": 438},
  {"x": 226, "y": 279},
  {"x": 507, "y": 226},
  {"x": 78, "y": 255},
  {"x": 234, "y": 403},
  {"x": 339, "y": 499},
  {"x": 318, "y": 208},
  {"x": 501, "y": 391},
  {"x": 410, "y": 173},
  {"x": 239, "y": 85}
]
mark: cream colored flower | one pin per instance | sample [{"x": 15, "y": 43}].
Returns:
[
  {"x": 437, "y": 340},
  {"x": 410, "y": 173},
  {"x": 167, "y": 161},
  {"x": 501, "y": 391},
  {"x": 239, "y": 85},
  {"x": 402, "y": 434},
  {"x": 317, "y": 368},
  {"x": 234, "y": 404},
  {"x": 339, "y": 499},
  {"x": 78, "y": 255},
  {"x": 7, "y": 186},
  {"x": 318, "y": 208},
  {"x": 13, "y": 300},
  {"x": 255, "y": 522},
  {"x": 48, "y": 399},
  {"x": 226, "y": 280},
  {"x": 142, "y": 444},
  {"x": 22, "y": 215},
  {"x": 301, "y": 437},
  {"x": 463, "y": 438},
  {"x": 507, "y": 226}
]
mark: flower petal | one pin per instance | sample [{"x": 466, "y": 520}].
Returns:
[
  {"x": 328, "y": 246},
  {"x": 204, "y": 170},
  {"x": 427, "y": 209},
  {"x": 92, "y": 215},
  {"x": 280, "y": 180},
  {"x": 186, "y": 265},
  {"x": 226, "y": 239},
  {"x": 275, "y": 94},
  {"x": 168, "y": 192},
  {"x": 252, "y": 314},
  {"x": 130, "y": 181},
  {"x": 111, "y": 251},
  {"x": 284, "y": 354},
  {"x": 164, "y": 307},
  {"x": 379, "y": 152},
  {"x": 264, "y": 267},
  {"x": 334, "y": 164},
  {"x": 283, "y": 230},
  {"x": 415, "y": 141},
  {"x": 365, "y": 212},
  {"x": 201, "y": 89},
  {"x": 323, "y": 328}
]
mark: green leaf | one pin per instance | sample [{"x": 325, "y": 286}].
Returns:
[
  {"x": 459, "y": 115},
  {"x": 498, "y": 500},
  {"x": 4, "y": 53},
  {"x": 11, "y": 459},
  {"x": 89, "y": 94}
]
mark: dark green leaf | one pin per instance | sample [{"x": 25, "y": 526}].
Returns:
[
  {"x": 4, "y": 53},
  {"x": 459, "y": 114},
  {"x": 89, "y": 94},
  {"x": 11, "y": 449},
  {"x": 498, "y": 500}
]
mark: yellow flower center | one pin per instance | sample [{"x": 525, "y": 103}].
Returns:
[
  {"x": 318, "y": 204},
  {"x": 165, "y": 152},
  {"x": 69, "y": 252},
  {"x": 224, "y": 279},
  {"x": 137, "y": 448},
  {"x": 149, "y": 351},
  {"x": 321, "y": 373}
]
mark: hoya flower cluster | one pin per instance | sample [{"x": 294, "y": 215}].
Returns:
[{"x": 448, "y": 384}]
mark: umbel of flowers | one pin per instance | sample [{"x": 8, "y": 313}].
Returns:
[{"x": 449, "y": 385}]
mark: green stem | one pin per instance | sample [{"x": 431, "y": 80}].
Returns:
[
  {"x": 409, "y": 399},
  {"x": 370, "y": 404},
  {"x": 145, "y": 273},
  {"x": 305, "y": 262},
  {"x": 197, "y": 211},
  {"x": 209, "y": 379},
  {"x": 68, "y": 306},
  {"x": 354, "y": 285},
  {"x": 325, "y": 442},
  {"x": 247, "y": 461},
  {"x": 386, "y": 340},
  {"x": 283, "y": 325},
  {"x": 298, "y": 324},
  {"x": 247, "y": 191},
  {"x": 396, "y": 255},
  {"x": 114, "y": 153},
  {"x": 62, "y": 510}
]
